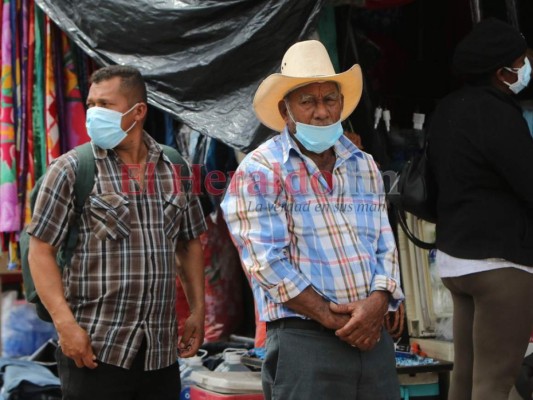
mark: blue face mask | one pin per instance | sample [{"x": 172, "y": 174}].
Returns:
[
  {"x": 317, "y": 138},
  {"x": 524, "y": 75},
  {"x": 104, "y": 126}
]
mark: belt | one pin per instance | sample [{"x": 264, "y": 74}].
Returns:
[{"x": 297, "y": 323}]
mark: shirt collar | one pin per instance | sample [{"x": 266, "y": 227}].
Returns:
[{"x": 344, "y": 148}]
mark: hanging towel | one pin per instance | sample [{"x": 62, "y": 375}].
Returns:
[
  {"x": 74, "y": 110},
  {"x": 27, "y": 155},
  {"x": 10, "y": 213},
  {"x": 53, "y": 148},
  {"x": 39, "y": 132}
]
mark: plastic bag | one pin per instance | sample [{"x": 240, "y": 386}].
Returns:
[
  {"x": 442, "y": 302},
  {"x": 442, "y": 298},
  {"x": 23, "y": 332}
]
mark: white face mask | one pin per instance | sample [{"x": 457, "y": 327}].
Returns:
[{"x": 524, "y": 74}]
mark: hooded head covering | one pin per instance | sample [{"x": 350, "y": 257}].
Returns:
[{"x": 490, "y": 45}]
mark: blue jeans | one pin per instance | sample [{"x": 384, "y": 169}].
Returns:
[{"x": 309, "y": 364}]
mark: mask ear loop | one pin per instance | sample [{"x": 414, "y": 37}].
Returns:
[
  {"x": 516, "y": 71},
  {"x": 132, "y": 107},
  {"x": 131, "y": 127},
  {"x": 134, "y": 122},
  {"x": 289, "y": 111}
]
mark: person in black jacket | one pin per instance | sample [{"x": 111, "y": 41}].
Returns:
[{"x": 481, "y": 153}]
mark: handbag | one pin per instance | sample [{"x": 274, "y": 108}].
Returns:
[{"x": 415, "y": 191}]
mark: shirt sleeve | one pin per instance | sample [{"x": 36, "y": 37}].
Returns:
[
  {"x": 257, "y": 222},
  {"x": 386, "y": 276},
  {"x": 54, "y": 206},
  {"x": 193, "y": 222}
]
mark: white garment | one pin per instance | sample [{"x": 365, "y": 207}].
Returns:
[{"x": 450, "y": 266}]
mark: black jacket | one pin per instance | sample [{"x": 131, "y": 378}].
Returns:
[{"x": 481, "y": 153}]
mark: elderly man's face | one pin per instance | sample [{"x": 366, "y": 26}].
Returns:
[{"x": 314, "y": 104}]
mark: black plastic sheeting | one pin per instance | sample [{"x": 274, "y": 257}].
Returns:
[{"x": 202, "y": 60}]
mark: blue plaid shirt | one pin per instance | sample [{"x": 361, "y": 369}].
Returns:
[{"x": 293, "y": 231}]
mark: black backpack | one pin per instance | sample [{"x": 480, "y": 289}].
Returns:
[{"x": 83, "y": 185}]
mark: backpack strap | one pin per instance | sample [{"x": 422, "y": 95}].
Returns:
[
  {"x": 175, "y": 158},
  {"x": 83, "y": 185},
  {"x": 84, "y": 175}
]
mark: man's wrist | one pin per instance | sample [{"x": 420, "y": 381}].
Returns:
[
  {"x": 383, "y": 297},
  {"x": 198, "y": 310}
]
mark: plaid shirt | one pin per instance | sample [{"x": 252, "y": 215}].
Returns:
[
  {"x": 292, "y": 231},
  {"x": 121, "y": 284}
]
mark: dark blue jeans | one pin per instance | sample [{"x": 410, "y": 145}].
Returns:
[
  {"x": 308, "y": 364},
  {"x": 108, "y": 382}
]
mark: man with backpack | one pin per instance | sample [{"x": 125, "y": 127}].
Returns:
[{"x": 114, "y": 305}]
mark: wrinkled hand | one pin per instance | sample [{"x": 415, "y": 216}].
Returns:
[
  {"x": 193, "y": 336},
  {"x": 76, "y": 344},
  {"x": 363, "y": 330},
  {"x": 335, "y": 321}
]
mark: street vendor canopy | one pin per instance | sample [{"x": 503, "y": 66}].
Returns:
[{"x": 202, "y": 60}]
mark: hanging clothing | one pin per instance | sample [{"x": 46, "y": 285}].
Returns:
[{"x": 10, "y": 211}]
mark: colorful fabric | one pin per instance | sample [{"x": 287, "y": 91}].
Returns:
[
  {"x": 120, "y": 284},
  {"x": 41, "y": 107},
  {"x": 10, "y": 212},
  {"x": 74, "y": 109},
  {"x": 53, "y": 148},
  {"x": 39, "y": 131},
  {"x": 17, "y": 75},
  {"x": 294, "y": 231},
  {"x": 27, "y": 156},
  {"x": 59, "y": 81},
  {"x": 22, "y": 134}
]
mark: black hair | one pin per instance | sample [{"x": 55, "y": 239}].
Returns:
[{"x": 131, "y": 80}]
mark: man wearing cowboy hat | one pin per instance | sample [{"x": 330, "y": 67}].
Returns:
[{"x": 307, "y": 212}]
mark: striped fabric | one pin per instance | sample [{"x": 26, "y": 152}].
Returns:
[
  {"x": 121, "y": 284},
  {"x": 292, "y": 231}
]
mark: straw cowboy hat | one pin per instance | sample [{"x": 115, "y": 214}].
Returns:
[{"x": 304, "y": 62}]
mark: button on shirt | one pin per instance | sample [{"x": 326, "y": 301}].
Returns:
[
  {"x": 294, "y": 231},
  {"x": 121, "y": 284}
]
